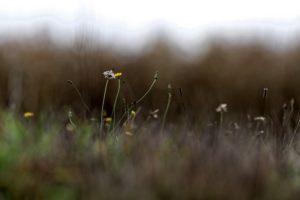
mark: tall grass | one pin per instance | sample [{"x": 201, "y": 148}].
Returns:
[{"x": 42, "y": 158}]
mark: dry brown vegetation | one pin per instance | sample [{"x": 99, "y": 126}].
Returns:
[{"x": 33, "y": 75}]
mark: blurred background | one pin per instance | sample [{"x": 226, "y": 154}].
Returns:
[{"x": 211, "y": 52}]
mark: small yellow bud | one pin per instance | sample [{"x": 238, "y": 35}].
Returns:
[
  {"x": 133, "y": 113},
  {"x": 28, "y": 114},
  {"x": 118, "y": 74},
  {"x": 108, "y": 119},
  {"x": 128, "y": 133}
]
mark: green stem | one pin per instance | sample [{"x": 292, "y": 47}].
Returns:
[
  {"x": 221, "y": 121},
  {"x": 149, "y": 89},
  {"x": 80, "y": 96},
  {"x": 115, "y": 103},
  {"x": 167, "y": 107},
  {"x": 71, "y": 120},
  {"x": 102, "y": 107},
  {"x": 139, "y": 100}
]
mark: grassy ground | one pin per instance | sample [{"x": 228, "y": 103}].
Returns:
[
  {"x": 45, "y": 158},
  {"x": 188, "y": 150}
]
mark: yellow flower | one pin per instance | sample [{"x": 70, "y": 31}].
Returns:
[
  {"x": 110, "y": 74},
  {"x": 28, "y": 114},
  {"x": 128, "y": 133},
  {"x": 133, "y": 113},
  {"x": 118, "y": 74},
  {"x": 108, "y": 119}
]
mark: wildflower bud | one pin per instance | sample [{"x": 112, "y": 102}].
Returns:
[
  {"x": 180, "y": 91},
  {"x": 156, "y": 75},
  {"x": 70, "y": 114},
  {"x": 70, "y": 82},
  {"x": 28, "y": 114},
  {"x": 222, "y": 108},
  {"x": 260, "y": 118},
  {"x": 133, "y": 113},
  {"x": 108, "y": 119},
  {"x": 265, "y": 93},
  {"x": 118, "y": 75}
]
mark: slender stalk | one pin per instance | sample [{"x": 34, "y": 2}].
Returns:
[
  {"x": 265, "y": 95},
  {"x": 80, "y": 96},
  {"x": 221, "y": 120},
  {"x": 295, "y": 131},
  {"x": 102, "y": 107},
  {"x": 70, "y": 115},
  {"x": 167, "y": 107},
  {"x": 138, "y": 101},
  {"x": 115, "y": 103},
  {"x": 149, "y": 89}
]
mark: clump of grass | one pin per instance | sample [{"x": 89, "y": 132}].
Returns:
[
  {"x": 134, "y": 104},
  {"x": 59, "y": 164}
]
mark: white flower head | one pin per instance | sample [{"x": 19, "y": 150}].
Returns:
[
  {"x": 109, "y": 74},
  {"x": 236, "y": 126},
  {"x": 154, "y": 113},
  {"x": 222, "y": 108},
  {"x": 260, "y": 118}
]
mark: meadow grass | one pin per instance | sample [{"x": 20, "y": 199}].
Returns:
[
  {"x": 86, "y": 145},
  {"x": 43, "y": 157}
]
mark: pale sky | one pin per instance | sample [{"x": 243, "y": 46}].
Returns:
[{"x": 131, "y": 19}]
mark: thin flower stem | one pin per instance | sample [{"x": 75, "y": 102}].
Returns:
[
  {"x": 149, "y": 89},
  {"x": 138, "y": 101},
  {"x": 80, "y": 96},
  {"x": 167, "y": 107},
  {"x": 102, "y": 107},
  {"x": 221, "y": 120},
  {"x": 71, "y": 120},
  {"x": 115, "y": 103}
]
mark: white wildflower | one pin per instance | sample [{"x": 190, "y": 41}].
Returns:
[
  {"x": 222, "y": 108},
  {"x": 154, "y": 113},
  {"x": 109, "y": 74},
  {"x": 260, "y": 118},
  {"x": 236, "y": 126}
]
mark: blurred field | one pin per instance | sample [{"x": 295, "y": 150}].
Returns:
[
  {"x": 61, "y": 151},
  {"x": 45, "y": 159},
  {"x": 33, "y": 75}
]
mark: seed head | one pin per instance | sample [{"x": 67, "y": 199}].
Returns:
[
  {"x": 70, "y": 82},
  {"x": 265, "y": 93},
  {"x": 154, "y": 113},
  {"x": 156, "y": 75}
]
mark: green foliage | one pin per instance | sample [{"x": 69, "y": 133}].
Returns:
[{"x": 42, "y": 158}]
